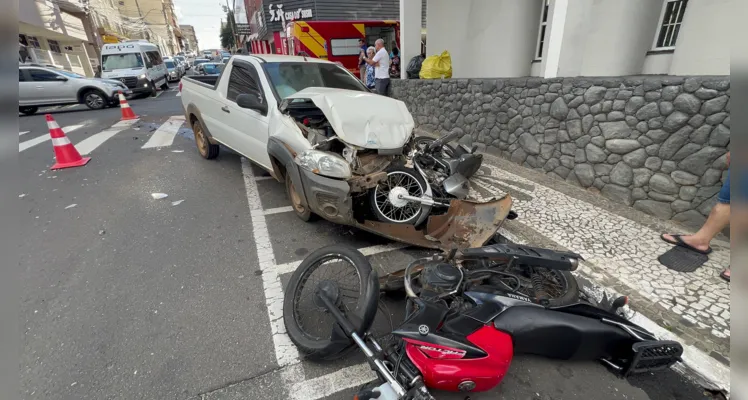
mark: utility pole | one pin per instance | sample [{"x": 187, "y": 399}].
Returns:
[{"x": 145, "y": 28}]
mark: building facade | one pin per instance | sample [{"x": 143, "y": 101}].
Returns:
[
  {"x": 550, "y": 38},
  {"x": 190, "y": 39},
  {"x": 155, "y": 21},
  {"x": 53, "y": 33},
  {"x": 267, "y": 19}
]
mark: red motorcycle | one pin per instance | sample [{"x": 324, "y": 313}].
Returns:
[{"x": 458, "y": 334}]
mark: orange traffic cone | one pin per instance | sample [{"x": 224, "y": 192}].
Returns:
[
  {"x": 127, "y": 112},
  {"x": 66, "y": 154}
]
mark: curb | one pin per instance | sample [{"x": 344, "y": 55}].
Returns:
[{"x": 697, "y": 366}]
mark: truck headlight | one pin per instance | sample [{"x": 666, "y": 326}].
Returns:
[
  {"x": 325, "y": 164},
  {"x": 142, "y": 76}
]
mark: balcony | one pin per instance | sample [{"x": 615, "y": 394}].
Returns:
[{"x": 72, "y": 6}]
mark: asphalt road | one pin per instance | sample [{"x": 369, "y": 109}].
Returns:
[{"x": 129, "y": 297}]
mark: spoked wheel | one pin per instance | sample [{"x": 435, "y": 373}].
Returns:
[
  {"x": 386, "y": 198},
  {"x": 344, "y": 275}
]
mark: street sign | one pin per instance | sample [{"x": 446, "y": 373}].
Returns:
[{"x": 243, "y": 29}]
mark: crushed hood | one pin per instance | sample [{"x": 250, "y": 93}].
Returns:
[{"x": 362, "y": 119}]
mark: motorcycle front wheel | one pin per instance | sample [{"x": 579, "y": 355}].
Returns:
[
  {"x": 385, "y": 200},
  {"x": 348, "y": 275}
]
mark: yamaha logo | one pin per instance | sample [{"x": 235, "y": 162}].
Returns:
[{"x": 423, "y": 330}]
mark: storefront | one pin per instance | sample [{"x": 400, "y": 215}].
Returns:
[{"x": 270, "y": 19}]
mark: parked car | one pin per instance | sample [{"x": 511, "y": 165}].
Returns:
[
  {"x": 198, "y": 62},
  {"x": 185, "y": 63},
  {"x": 44, "y": 86},
  {"x": 180, "y": 69},
  {"x": 225, "y": 60},
  {"x": 212, "y": 68},
  {"x": 175, "y": 73}
]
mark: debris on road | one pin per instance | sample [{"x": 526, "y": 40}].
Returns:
[
  {"x": 22, "y": 195},
  {"x": 177, "y": 151},
  {"x": 101, "y": 232},
  {"x": 159, "y": 196},
  {"x": 176, "y": 203},
  {"x": 71, "y": 206}
]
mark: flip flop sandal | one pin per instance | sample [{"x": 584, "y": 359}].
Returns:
[
  {"x": 679, "y": 242},
  {"x": 724, "y": 276}
]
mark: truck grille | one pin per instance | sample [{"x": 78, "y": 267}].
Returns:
[{"x": 129, "y": 81}]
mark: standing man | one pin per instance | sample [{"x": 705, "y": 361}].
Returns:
[
  {"x": 361, "y": 62},
  {"x": 381, "y": 63}
]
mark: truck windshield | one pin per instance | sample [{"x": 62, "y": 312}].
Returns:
[
  {"x": 289, "y": 78},
  {"x": 111, "y": 62}
]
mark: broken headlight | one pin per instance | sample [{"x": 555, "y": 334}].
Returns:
[{"x": 325, "y": 164}]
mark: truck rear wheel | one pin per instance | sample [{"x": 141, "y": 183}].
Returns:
[{"x": 207, "y": 150}]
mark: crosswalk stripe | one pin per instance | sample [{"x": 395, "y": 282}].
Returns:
[
  {"x": 41, "y": 139},
  {"x": 164, "y": 135},
  {"x": 89, "y": 144},
  {"x": 23, "y": 133}
]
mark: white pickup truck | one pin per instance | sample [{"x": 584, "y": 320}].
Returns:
[{"x": 307, "y": 121}]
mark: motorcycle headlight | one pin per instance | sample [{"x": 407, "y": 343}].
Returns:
[{"x": 325, "y": 164}]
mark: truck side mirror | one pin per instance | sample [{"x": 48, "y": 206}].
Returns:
[
  {"x": 61, "y": 78},
  {"x": 252, "y": 102}
]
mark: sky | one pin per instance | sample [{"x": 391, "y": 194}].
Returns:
[{"x": 205, "y": 16}]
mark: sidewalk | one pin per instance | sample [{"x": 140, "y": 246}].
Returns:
[{"x": 620, "y": 246}]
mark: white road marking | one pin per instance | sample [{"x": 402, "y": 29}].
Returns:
[
  {"x": 159, "y": 93},
  {"x": 277, "y": 210},
  {"x": 89, "y": 144},
  {"x": 289, "y": 267},
  {"x": 327, "y": 385},
  {"x": 41, "y": 139},
  {"x": 285, "y": 351},
  {"x": 23, "y": 133},
  {"x": 164, "y": 135},
  {"x": 70, "y": 106},
  {"x": 179, "y": 94}
]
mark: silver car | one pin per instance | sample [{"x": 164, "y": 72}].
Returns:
[{"x": 44, "y": 86}]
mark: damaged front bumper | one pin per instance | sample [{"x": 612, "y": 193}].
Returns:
[{"x": 466, "y": 224}]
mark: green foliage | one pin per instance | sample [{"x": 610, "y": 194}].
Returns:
[{"x": 227, "y": 33}]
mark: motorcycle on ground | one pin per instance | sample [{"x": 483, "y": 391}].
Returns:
[{"x": 458, "y": 334}]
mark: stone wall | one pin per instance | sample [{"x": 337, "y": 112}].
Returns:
[{"x": 657, "y": 143}]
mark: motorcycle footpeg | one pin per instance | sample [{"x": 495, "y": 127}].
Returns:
[{"x": 653, "y": 355}]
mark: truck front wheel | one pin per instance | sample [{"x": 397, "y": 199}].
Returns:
[{"x": 207, "y": 150}]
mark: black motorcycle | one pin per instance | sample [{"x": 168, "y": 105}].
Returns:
[{"x": 456, "y": 336}]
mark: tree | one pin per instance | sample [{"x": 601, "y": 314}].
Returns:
[{"x": 228, "y": 41}]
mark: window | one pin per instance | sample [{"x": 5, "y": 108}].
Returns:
[
  {"x": 40, "y": 75},
  {"x": 291, "y": 77},
  {"x": 344, "y": 47},
  {"x": 33, "y": 42},
  {"x": 54, "y": 45},
  {"x": 154, "y": 57},
  {"x": 242, "y": 80},
  {"x": 670, "y": 21},
  {"x": 21, "y": 76},
  {"x": 542, "y": 29},
  {"x": 110, "y": 62}
]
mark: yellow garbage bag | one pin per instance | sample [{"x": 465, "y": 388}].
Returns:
[{"x": 437, "y": 67}]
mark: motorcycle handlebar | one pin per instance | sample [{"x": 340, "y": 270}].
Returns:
[
  {"x": 442, "y": 140},
  {"x": 406, "y": 276}
]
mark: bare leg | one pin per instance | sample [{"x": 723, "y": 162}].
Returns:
[{"x": 718, "y": 219}]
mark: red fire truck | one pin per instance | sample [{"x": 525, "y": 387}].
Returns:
[{"x": 338, "y": 40}]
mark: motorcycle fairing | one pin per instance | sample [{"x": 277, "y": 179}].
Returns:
[{"x": 466, "y": 224}]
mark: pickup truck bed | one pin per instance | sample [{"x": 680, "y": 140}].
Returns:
[{"x": 209, "y": 80}]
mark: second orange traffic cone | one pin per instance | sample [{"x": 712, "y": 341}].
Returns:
[
  {"x": 127, "y": 112},
  {"x": 66, "y": 154}
]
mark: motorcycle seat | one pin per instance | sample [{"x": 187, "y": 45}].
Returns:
[{"x": 524, "y": 255}]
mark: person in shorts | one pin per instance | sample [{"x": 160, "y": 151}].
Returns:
[{"x": 718, "y": 219}]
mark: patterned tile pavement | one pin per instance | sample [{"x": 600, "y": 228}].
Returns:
[{"x": 622, "y": 252}]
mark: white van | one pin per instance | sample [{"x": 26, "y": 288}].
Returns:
[{"x": 137, "y": 64}]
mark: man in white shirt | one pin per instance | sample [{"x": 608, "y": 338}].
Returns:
[{"x": 381, "y": 63}]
